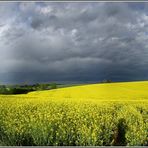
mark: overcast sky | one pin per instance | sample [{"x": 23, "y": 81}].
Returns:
[{"x": 81, "y": 41}]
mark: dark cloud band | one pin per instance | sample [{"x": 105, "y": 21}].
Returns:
[{"x": 44, "y": 41}]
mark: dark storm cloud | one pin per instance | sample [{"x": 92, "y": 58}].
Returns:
[{"x": 73, "y": 41}]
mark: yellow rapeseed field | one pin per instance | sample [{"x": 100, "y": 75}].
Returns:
[{"x": 88, "y": 115}]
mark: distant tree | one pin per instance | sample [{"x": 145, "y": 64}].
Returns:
[
  {"x": 3, "y": 89},
  {"x": 53, "y": 85},
  {"x": 42, "y": 86}
]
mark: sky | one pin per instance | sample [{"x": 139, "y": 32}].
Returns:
[{"x": 73, "y": 41}]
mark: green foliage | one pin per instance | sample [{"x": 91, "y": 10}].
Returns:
[
  {"x": 23, "y": 89},
  {"x": 14, "y": 90},
  {"x": 53, "y": 85},
  {"x": 20, "y": 90},
  {"x": 3, "y": 89},
  {"x": 42, "y": 86}
]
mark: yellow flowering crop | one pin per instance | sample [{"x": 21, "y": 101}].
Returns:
[{"x": 88, "y": 115}]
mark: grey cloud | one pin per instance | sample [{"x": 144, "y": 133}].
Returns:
[{"x": 73, "y": 42}]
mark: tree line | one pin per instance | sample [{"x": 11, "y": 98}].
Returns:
[{"x": 23, "y": 89}]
